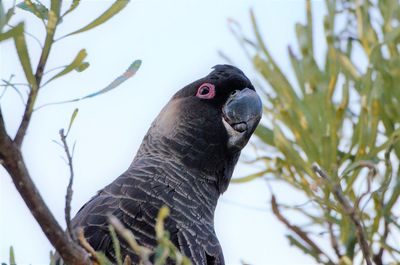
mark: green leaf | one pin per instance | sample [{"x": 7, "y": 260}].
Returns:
[
  {"x": 22, "y": 51},
  {"x": 116, "y": 245},
  {"x": 294, "y": 242},
  {"x": 298, "y": 68},
  {"x": 131, "y": 71},
  {"x": 11, "y": 33},
  {"x": 74, "y": 5},
  {"x": 82, "y": 67},
  {"x": 349, "y": 66},
  {"x": 265, "y": 134},
  {"x": 350, "y": 246},
  {"x": 344, "y": 260},
  {"x": 162, "y": 215},
  {"x": 249, "y": 177},
  {"x": 10, "y": 13},
  {"x": 161, "y": 253},
  {"x": 302, "y": 38},
  {"x": 102, "y": 259},
  {"x": 72, "y": 120},
  {"x": 393, "y": 36},
  {"x": 113, "y": 10},
  {"x": 12, "y": 256},
  {"x": 2, "y": 17},
  {"x": 73, "y": 65},
  {"x": 37, "y": 9}
]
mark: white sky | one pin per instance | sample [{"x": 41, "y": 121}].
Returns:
[{"x": 178, "y": 43}]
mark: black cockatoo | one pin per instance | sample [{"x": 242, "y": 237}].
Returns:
[{"x": 185, "y": 162}]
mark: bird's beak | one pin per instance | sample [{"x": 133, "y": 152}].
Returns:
[{"x": 241, "y": 115}]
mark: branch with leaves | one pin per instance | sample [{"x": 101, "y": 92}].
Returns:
[
  {"x": 10, "y": 147},
  {"x": 342, "y": 114}
]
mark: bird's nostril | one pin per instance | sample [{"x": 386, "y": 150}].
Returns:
[{"x": 234, "y": 92}]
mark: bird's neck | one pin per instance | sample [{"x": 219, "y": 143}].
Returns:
[
  {"x": 195, "y": 150},
  {"x": 191, "y": 187}
]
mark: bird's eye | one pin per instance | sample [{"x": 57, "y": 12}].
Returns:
[{"x": 206, "y": 91}]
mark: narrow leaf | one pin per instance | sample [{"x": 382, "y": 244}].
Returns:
[
  {"x": 9, "y": 14},
  {"x": 113, "y": 10},
  {"x": 74, "y": 5},
  {"x": 349, "y": 66},
  {"x": 159, "y": 227},
  {"x": 72, "y": 120},
  {"x": 393, "y": 36},
  {"x": 12, "y": 256},
  {"x": 37, "y": 9},
  {"x": 82, "y": 67},
  {"x": 73, "y": 65},
  {"x": 249, "y": 177},
  {"x": 131, "y": 71},
  {"x": 11, "y": 33},
  {"x": 116, "y": 245},
  {"x": 265, "y": 134},
  {"x": 2, "y": 17},
  {"x": 102, "y": 259},
  {"x": 22, "y": 51}
]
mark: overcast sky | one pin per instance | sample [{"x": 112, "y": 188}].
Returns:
[{"x": 178, "y": 43}]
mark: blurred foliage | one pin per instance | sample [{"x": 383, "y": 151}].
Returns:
[
  {"x": 165, "y": 250},
  {"x": 342, "y": 113}
]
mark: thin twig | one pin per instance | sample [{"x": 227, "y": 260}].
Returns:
[
  {"x": 68, "y": 196},
  {"x": 350, "y": 210},
  {"x": 53, "y": 69},
  {"x": 333, "y": 240},
  {"x": 303, "y": 235},
  {"x": 30, "y": 35},
  {"x": 7, "y": 84},
  {"x": 371, "y": 174}
]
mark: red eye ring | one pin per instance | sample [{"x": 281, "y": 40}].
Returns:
[{"x": 206, "y": 91}]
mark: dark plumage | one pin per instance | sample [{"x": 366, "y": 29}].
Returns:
[{"x": 185, "y": 162}]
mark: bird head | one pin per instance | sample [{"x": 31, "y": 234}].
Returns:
[{"x": 208, "y": 122}]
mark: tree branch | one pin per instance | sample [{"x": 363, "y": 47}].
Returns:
[
  {"x": 350, "y": 210},
  {"x": 15, "y": 166}
]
